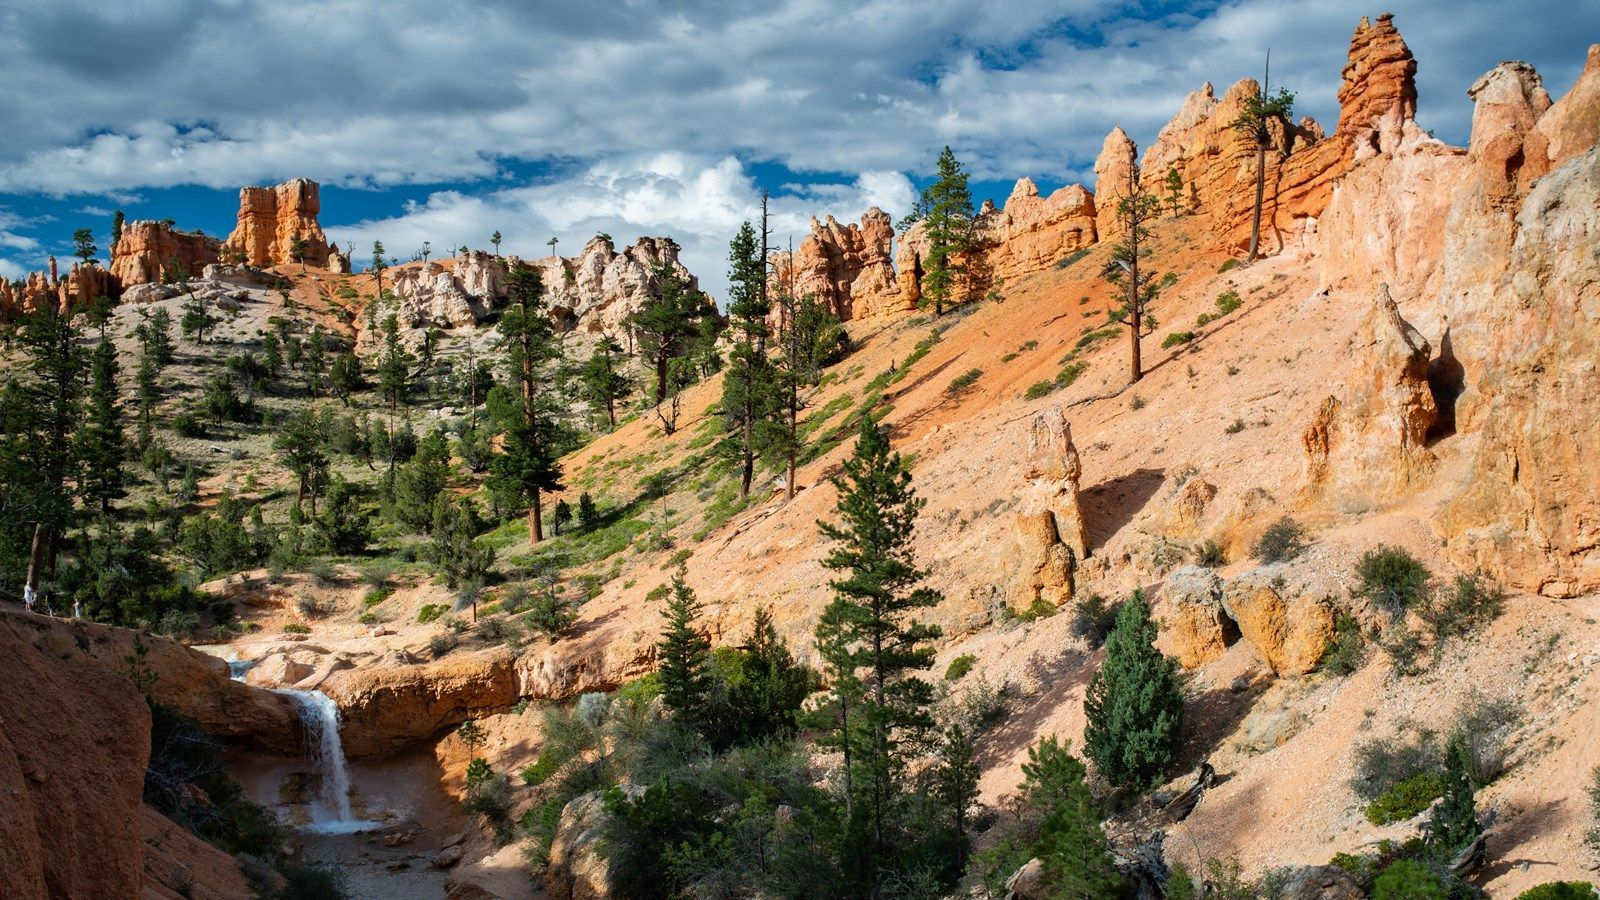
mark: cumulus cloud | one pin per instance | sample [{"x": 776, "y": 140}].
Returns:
[
  {"x": 697, "y": 200},
  {"x": 116, "y": 97}
]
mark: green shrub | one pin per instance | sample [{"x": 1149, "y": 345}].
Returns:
[
  {"x": 1210, "y": 554},
  {"x": 1204, "y": 319},
  {"x": 1236, "y": 426},
  {"x": 1093, "y": 617},
  {"x": 1471, "y": 603},
  {"x": 375, "y": 596},
  {"x": 959, "y": 667},
  {"x": 1408, "y": 879},
  {"x": 1348, "y": 650},
  {"x": 440, "y": 645},
  {"x": 296, "y": 628},
  {"x": 963, "y": 381},
  {"x": 1382, "y": 763},
  {"x": 1406, "y": 799},
  {"x": 309, "y": 881},
  {"x": 1070, "y": 374},
  {"x": 368, "y": 618},
  {"x": 1094, "y": 337},
  {"x": 1228, "y": 301},
  {"x": 1039, "y": 389},
  {"x": 1176, "y": 338},
  {"x": 1227, "y": 266},
  {"x": 1391, "y": 578},
  {"x": 431, "y": 612},
  {"x": 1560, "y": 890},
  {"x": 1282, "y": 541}
]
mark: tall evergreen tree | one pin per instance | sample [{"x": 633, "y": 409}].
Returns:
[
  {"x": 117, "y": 221},
  {"x": 314, "y": 360},
  {"x": 101, "y": 444},
  {"x": 945, "y": 209},
  {"x": 869, "y": 622},
  {"x": 1134, "y": 703},
  {"x": 603, "y": 382},
  {"x": 749, "y": 389},
  {"x": 1453, "y": 824},
  {"x": 1072, "y": 847},
  {"x": 529, "y": 464},
  {"x": 684, "y": 658},
  {"x": 45, "y": 410},
  {"x": 299, "y": 443},
  {"x": 83, "y": 244},
  {"x": 667, "y": 324},
  {"x": 1134, "y": 210},
  {"x": 1260, "y": 111},
  {"x": 394, "y": 365},
  {"x": 421, "y": 480}
]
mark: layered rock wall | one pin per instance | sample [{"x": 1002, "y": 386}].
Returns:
[
  {"x": 150, "y": 250},
  {"x": 848, "y": 267},
  {"x": 272, "y": 219}
]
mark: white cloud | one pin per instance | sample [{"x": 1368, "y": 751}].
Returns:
[
  {"x": 699, "y": 201},
  {"x": 364, "y": 92}
]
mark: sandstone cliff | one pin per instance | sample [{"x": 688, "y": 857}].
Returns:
[
  {"x": 148, "y": 251},
  {"x": 848, "y": 267},
  {"x": 272, "y": 219}
]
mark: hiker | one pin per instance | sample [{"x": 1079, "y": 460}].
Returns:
[{"x": 27, "y": 596}]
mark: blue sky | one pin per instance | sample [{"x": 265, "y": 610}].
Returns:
[{"x": 446, "y": 121}]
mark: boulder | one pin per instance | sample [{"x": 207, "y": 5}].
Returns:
[
  {"x": 1197, "y": 630},
  {"x": 1289, "y": 622},
  {"x": 578, "y": 869},
  {"x": 149, "y": 292},
  {"x": 1320, "y": 883}
]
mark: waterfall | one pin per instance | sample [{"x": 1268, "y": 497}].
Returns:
[{"x": 330, "y": 809}]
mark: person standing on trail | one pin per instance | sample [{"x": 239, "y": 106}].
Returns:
[{"x": 27, "y": 596}]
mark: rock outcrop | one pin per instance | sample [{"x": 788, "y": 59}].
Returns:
[
  {"x": 1049, "y": 538},
  {"x": 1289, "y": 622},
  {"x": 1032, "y": 233},
  {"x": 1529, "y": 511},
  {"x": 578, "y": 867},
  {"x": 388, "y": 707},
  {"x": 1505, "y": 148},
  {"x": 1196, "y": 631},
  {"x": 848, "y": 267},
  {"x": 1370, "y": 440},
  {"x": 592, "y": 293},
  {"x": 187, "y": 681},
  {"x": 272, "y": 219},
  {"x": 74, "y": 741},
  {"x": 1570, "y": 126},
  {"x": 1114, "y": 171},
  {"x": 83, "y": 284},
  {"x": 150, "y": 250}
]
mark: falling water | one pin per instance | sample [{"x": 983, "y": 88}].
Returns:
[{"x": 330, "y": 810}]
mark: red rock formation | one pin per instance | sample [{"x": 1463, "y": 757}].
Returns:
[
  {"x": 1032, "y": 233},
  {"x": 1370, "y": 441},
  {"x": 147, "y": 250},
  {"x": 271, "y": 219},
  {"x": 1506, "y": 149},
  {"x": 84, "y": 284},
  {"x": 1050, "y": 541},
  {"x": 1114, "y": 169},
  {"x": 848, "y": 267},
  {"x": 73, "y": 747},
  {"x": 1570, "y": 126},
  {"x": 1217, "y": 162}
]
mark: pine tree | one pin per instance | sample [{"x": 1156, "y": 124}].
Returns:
[
  {"x": 83, "y": 244},
  {"x": 684, "y": 658},
  {"x": 455, "y": 550},
  {"x": 43, "y": 411},
  {"x": 1072, "y": 847},
  {"x": 749, "y": 389},
  {"x": 117, "y": 221},
  {"x": 1453, "y": 824},
  {"x": 1174, "y": 189},
  {"x": 603, "y": 383},
  {"x": 1134, "y": 703},
  {"x": 869, "y": 620},
  {"x": 529, "y": 462},
  {"x": 377, "y": 267},
  {"x": 769, "y": 688},
  {"x": 1134, "y": 210},
  {"x": 394, "y": 365},
  {"x": 300, "y": 448},
  {"x": 945, "y": 209},
  {"x": 667, "y": 324},
  {"x": 956, "y": 783},
  {"x": 101, "y": 444},
  {"x": 588, "y": 515},
  {"x": 197, "y": 319},
  {"x": 495, "y": 240},
  {"x": 272, "y": 354},
  {"x": 424, "y": 476},
  {"x": 314, "y": 360},
  {"x": 1260, "y": 111},
  {"x": 342, "y": 527}
]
